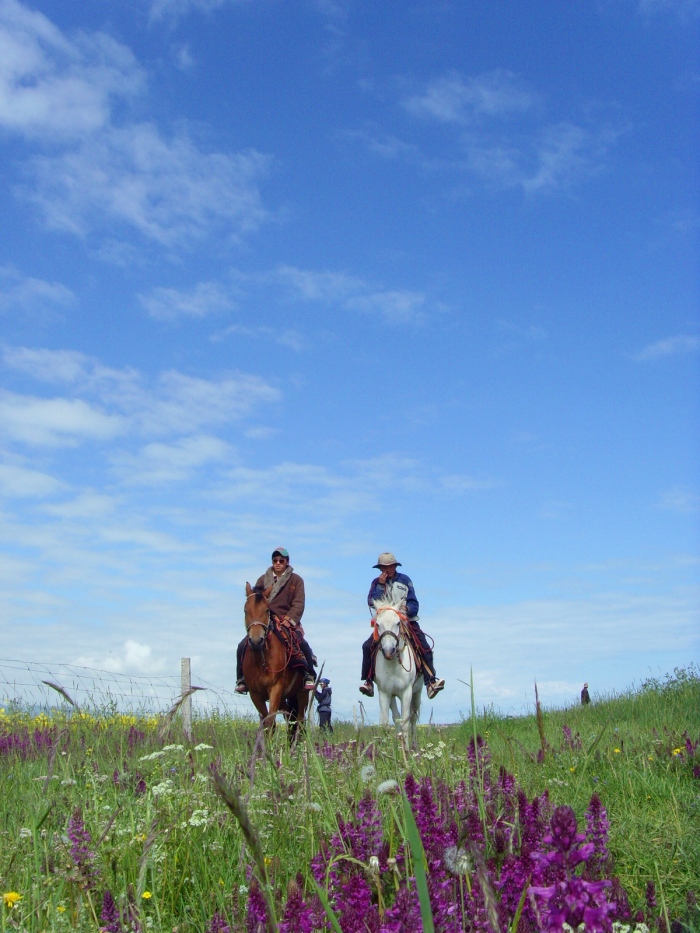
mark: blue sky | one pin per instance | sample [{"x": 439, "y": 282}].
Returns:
[{"x": 350, "y": 277}]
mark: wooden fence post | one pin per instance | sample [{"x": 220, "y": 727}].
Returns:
[{"x": 185, "y": 685}]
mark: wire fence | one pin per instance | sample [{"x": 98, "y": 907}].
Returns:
[{"x": 37, "y": 687}]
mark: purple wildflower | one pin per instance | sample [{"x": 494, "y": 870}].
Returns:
[
  {"x": 597, "y": 826},
  {"x": 218, "y": 924},
  {"x": 109, "y": 915},
  {"x": 298, "y": 916},
  {"x": 569, "y": 898},
  {"x": 651, "y": 895},
  {"x": 256, "y": 916},
  {"x": 404, "y": 916},
  {"x": 80, "y": 850}
]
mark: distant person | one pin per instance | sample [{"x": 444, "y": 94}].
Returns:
[
  {"x": 323, "y": 698},
  {"x": 399, "y": 587},
  {"x": 286, "y": 602},
  {"x": 585, "y": 696}
]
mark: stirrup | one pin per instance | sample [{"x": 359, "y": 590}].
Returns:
[
  {"x": 241, "y": 687},
  {"x": 367, "y": 688},
  {"x": 434, "y": 687}
]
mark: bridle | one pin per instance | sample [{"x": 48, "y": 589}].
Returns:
[
  {"x": 403, "y": 618},
  {"x": 264, "y": 625}
]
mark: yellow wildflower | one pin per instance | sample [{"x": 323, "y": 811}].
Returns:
[
  {"x": 617, "y": 751},
  {"x": 146, "y": 895},
  {"x": 572, "y": 768},
  {"x": 10, "y": 898},
  {"x": 676, "y": 751},
  {"x": 61, "y": 909}
]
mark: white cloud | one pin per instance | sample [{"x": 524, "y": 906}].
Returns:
[
  {"x": 168, "y": 190},
  {"x": 169, "y": 304},
  {"x": 173, "y": 403},
  {"x": 24, "y": 293},
  {"x": 175, "y": 9},
  {"x": 58, "y": 87},
  {"x": 20, "y": 482},
  {"x": 159, "y": 463},
  {"x": 58, "y": 90},
  {"x": 355, "y": 294},
  {"x": 455, "y": 99},
  {"x": 55, "y": 422},
  {"x": 670, "y": 346},
  {"x": 680, "y": 499}
]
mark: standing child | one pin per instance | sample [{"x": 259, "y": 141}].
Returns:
[{"x": 323, "y": 698}]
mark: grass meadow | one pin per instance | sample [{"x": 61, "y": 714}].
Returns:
[{"x": 584, "y": 815}]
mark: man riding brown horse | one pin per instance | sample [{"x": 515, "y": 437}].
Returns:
[
  {"x": 286, "y": 602},
  {"x": 390, "y": 584}
]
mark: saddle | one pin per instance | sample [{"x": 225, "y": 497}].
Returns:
[{"x": 290, "y": 636}]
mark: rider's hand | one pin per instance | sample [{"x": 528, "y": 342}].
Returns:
[
  {"x": 290, "y": 621},
  {"x": 381, "y": 579}
]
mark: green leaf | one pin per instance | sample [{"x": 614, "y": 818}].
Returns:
[
  {"x": 418, "y": 854},
  {"x": 330, "y": 913}
]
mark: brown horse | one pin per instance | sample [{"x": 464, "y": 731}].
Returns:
[{"x": 266, "y": 668}]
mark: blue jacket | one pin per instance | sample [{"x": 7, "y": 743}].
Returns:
[
  {"x": 323, "y": 698},
  {"x": 400, "y": 587}
]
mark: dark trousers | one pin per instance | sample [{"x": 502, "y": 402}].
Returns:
[
  {"x": 426, "y": 652},
  {"x": 304, "y": 645},
  {"x": 324, "y": 720}
]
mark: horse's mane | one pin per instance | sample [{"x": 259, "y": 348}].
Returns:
[
  {"x": 387, "y": 602},
  {"x": 258, "y": 593}
]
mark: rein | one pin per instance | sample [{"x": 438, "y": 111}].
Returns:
[
  {"x": 266, "y": 629},
  {"x": 397, "y": 638}
]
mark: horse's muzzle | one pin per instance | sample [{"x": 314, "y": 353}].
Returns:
[{"x": 257, "y": 644}]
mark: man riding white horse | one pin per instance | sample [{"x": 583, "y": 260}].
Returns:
[
  {"x": 397, "y": 586},
  {"x": 286, "y": 602}
]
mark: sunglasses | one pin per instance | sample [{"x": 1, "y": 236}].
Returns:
[{"x": 279, "y": 560}]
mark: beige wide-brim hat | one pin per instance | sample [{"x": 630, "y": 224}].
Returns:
[{"x": 386, "y": 559}]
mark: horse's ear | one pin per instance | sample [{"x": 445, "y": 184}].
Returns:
[
  {"x": 267, "y": 592},
  {"x": 248, "y": 588}
]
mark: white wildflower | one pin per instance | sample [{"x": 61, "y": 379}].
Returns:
[
  {"x": 68, "y": 782},
  {"x": 25, "y": 833},
  {"x": 199, "y": 817},
  {"x": 314, "y": 806},
  {"x": 374, "y": 864},
  {"x": 162, "y": 789},
  {"x": 152, "y": 756},
  {"x": 457, "y": 860},
  {"x": 367, "y": 773},
  {"x": 202, "y": 747},
  {"x": 173, "y": 748},
  {"x": 387, "y": 786}
]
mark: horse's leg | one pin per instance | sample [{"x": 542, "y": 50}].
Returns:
[
  {"x": 260, "y": 704},
  {"x": 395, "y": 711},
  {"x": 384, "y": 700},
  {"x": 415, "y": 709},
  {"x": 406, "y": 696},
  {"x": 274, "y": 703}
]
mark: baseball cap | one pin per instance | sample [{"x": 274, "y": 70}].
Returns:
[{"x": 282, "y": 551}]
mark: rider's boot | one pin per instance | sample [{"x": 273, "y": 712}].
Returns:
[
  {"x": 434, "y": 687},
  {"x": 309, "y": 682},
  {"x": 241, "y": 686},
  {"x": 367, "y": 687}
]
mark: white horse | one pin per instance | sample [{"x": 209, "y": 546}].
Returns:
[{"x": 395, "y": 671}]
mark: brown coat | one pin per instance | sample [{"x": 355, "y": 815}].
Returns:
[{"x": 290, "y": 600}]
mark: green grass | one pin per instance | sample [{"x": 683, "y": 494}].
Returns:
[{"x": 179, "y": 843}]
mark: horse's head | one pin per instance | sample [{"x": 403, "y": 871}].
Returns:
[
  {"x": 388, "y": 626},
  {"x": 257, "y": 615}
]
